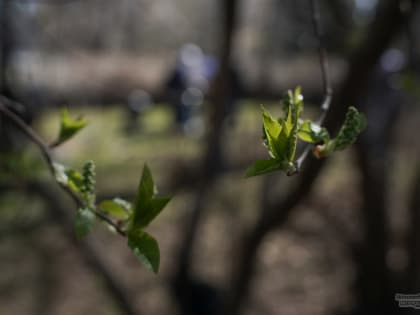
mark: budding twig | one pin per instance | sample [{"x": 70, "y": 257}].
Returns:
[
  {"x": 328, "y": 92},
  {"x": 46, "y": 153}
]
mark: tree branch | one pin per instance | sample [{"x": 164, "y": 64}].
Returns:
[
  {"x": 47, "y": 155},
  {"x": 326, "y": 82}
]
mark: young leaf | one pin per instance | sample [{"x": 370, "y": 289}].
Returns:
[
  {"x": 145, "y": 248},
  {"x": 271, "y": 125},
  {"x": 262, "y": 167},
  {"x": 294, "y": 106},
  {"x": 146, "y": 206},
  {"x": 275, "y": 135},
  {"x": 69, "y": 126},
  {"x": 282, "y": 141},
  {"x": 145, "y": 190},
  {"x": 116, "y": 207},
  {"x": 354, "y": 124},
  {"x": 271, "y": 132},
  {"x": 68, "y": 176},
  {"x": 84, "y": 221},
  {"x": 74, "y": 179},
  {"x": 312, "y": 133}
]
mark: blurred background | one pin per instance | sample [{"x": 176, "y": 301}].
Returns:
[{"x": 179, "y": 84}]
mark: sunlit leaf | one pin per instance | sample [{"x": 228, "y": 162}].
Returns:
[
  {"x": 116, "y": 207},
  {"x": 312, "y": 133},
  {"x": 74, "y": 179},
  {"x": 69, "y": 126},
  {"x": 271, "y": 132}
]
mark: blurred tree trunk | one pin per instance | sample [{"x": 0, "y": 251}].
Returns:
[
  {"x": 7, "y": 132},
  {"x": 194, "y": 296},
  {"x": 220, "y": 92},
  {"x": 375, "y": 286},
  {"x": 6, "y": 45},
  {"x": 412, "y": 274}
]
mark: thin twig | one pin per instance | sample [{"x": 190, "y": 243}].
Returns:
[
  {"x": 46, "y": 153},
  {"x": 326, "y": 82}
]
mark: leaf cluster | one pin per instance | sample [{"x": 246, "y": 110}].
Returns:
[
  {"x": 131, "y": 218},
  {"x": 281, "y": 136}
]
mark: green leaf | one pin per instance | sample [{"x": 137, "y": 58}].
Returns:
[
  {"x": 145, "y": 191},
  {"x": 275, "y": 136},
  {"x": 287, "y": 122},
  {"x": 271, "y": 125},
  {"x": 156, "y": 206},
  {"x": 282, "y": 142},
  {"x": 354, "y": 124},
  {"x": 287, "y": 140},
  {"x": 305, "y": 132},
  {"x": 149, "y": 211},
  {"x": 69, "y": 126},
  {"x": 74, "y": 179},
  {"x": 271, "y": 132},
  {"x": 145, "y": 248},
  {"x": 263, "y": 166},
  {"x": 312, "y": 133},
  {"x": 146, "y": 206},
  {"x": 116, "y": 207},
  {"x": 84, "y": 221},
  {"x": 124, "y": 203},
  {"x": 68, "y": 176}
]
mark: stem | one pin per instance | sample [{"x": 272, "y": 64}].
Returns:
[
  {"x": 323, "y": 60},
  {"x": 326, "y": 82},
  {"x": 46, "y": 153}
]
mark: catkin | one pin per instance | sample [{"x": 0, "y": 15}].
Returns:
[{"x": 88, "y": 186}]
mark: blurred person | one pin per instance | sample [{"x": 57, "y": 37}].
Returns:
[{"x": 188, "y": 82}]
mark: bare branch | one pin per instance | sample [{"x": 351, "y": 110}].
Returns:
[
  {"x": 323, "y": 60},
  {"x": 46, "y": 153}
]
